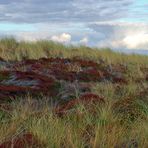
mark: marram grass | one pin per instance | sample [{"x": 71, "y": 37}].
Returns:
[{"x": 114, "y": 125}]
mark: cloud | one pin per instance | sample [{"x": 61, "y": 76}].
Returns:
[
  {"x": 40, "y": 35},
  {"x": 98, "y": 20},
  {"x": 122, "y": 35},
  {"x": 84, "y": 41},
  {"x": 37, "y": 11},
  {"x": 116, "y": 35},
  {"x": 63, "y": 38},
  {"x": 136, "y": 41}
]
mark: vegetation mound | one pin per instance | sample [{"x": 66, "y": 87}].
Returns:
[{"x": 53, "y": 95}]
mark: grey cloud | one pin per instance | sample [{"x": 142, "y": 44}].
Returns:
[{"x": 35, "y": 11}]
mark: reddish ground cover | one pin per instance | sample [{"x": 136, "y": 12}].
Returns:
[
  {"x": 85, "y": 99},
  {"x": 47, "y": 75},
  {"x": 44, "y": 75}
]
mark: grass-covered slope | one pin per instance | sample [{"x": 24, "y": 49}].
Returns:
[{"x": 52, "y": 95}]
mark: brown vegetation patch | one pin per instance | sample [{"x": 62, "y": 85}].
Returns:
[{"x": 85, "y": 99}]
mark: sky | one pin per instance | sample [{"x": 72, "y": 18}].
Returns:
[{"x": 118, "y": 24}]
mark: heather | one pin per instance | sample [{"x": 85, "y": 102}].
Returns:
[{"x": 55, "y": 95}]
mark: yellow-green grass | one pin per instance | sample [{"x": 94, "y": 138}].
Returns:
[
  {"x": 10, "y": 49},
  {"x": 77, "y": 129},
  {"x": 109, "y": 128}
]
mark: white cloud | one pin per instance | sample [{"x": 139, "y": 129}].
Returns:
[
  {"x": 63, "y": 38},
  {"x": 39, "y": 35},
  {"x": 136, "y": 41},
  {"x": 116, "y": 35},
  {"x": 122, "y": 35},
  {"x": 84, "y": 40}
]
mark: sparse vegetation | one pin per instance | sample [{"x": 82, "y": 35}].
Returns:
[{"x": 53, "y": 96}]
